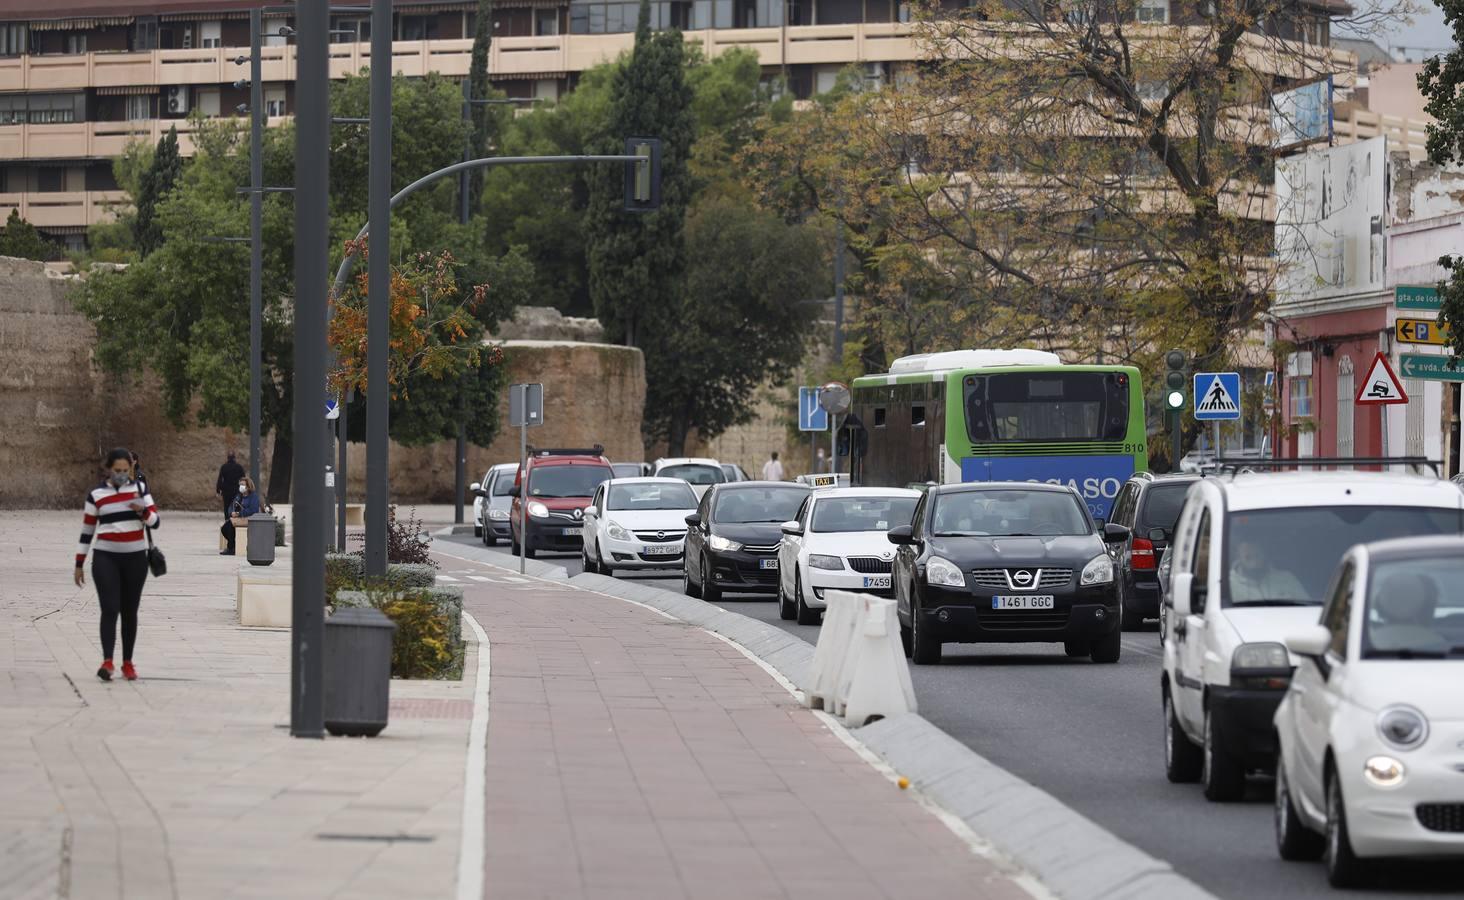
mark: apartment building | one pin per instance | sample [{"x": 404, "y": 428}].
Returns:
[{"x": 79, "y": 79}]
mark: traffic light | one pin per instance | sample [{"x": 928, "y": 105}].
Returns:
[
  {"x": 643, "y": 177},
  {"x": 1176, "y": 379}
]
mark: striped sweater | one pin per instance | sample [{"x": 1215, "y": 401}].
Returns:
[{"x": 110, "y": 520}]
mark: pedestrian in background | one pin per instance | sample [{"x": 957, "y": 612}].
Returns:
[
  {"x": 772, "y": 469},
  {"x": 114, "y": 526},
  {"x": 227, "y": 487},
  {"x": 245, "y": 505}
]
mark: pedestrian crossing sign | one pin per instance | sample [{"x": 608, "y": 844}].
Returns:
[{"x": 1217, "y": 396}]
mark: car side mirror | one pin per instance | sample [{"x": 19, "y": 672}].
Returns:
[
  {"x": 476, "y": 487},
  {"x": 1158, "y": 534},
  {"x": 592, "y": 510},
  {"x": 1313, "y": 642},
  {"x": 901, "y": 534},
  {"x": 1100, "y": 522},
  {"x": 1179, "y": 597},
  {"x": 514, "y": 491},
  {"x": 793, "y": 527},
  {"x": 693, "y": 520},
  {"x": 1115, "y": 534}
]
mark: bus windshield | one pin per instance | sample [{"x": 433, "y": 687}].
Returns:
[{"x": 1047, "y": 405}]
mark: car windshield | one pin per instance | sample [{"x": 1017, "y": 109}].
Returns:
[
  {"x": 626, "y": 470},
  {"x": 503, "y": 484},
  {"x": 650, "y": 496},
  {"x": 1161, "y": 506},
  {"x": 1286, "y": 557},
  {"x": 731, "y": 472},
  {"x": 550, "y": 482},
  {"x": 693, "y": 473},
  {"x": 836, "y": 514},
  {"x": 744, "y": 506},
  {"x": 1415, "y": 609},
  {"x": 1009, "y": 513}
]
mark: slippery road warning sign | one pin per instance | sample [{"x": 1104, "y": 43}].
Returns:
[
  {"x": 1381, "y": 387},
  {"x": 1217, "y": 396}
]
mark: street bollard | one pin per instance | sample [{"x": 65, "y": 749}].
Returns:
[
  {"x": 357, "y": 671},
  {"x": 261, "y": 547}
]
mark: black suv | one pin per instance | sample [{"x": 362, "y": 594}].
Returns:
[
  {"x": 1148, "y": 505},
  {"x": 1003, "y": 562}
]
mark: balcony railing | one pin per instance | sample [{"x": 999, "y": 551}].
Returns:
[
  {"x": 1354, "y": 124},
  {"x": 61, "y": 209},
  {"x": 92, "y": 140}
]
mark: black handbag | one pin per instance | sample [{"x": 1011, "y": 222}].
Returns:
[{"x": 157, "y": 563}]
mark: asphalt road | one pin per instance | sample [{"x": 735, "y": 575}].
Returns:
[{"x": 1090, "y": 735}]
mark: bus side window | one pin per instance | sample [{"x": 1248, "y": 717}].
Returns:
[
  {"x": 879, "y": 417},
  {"x": 917, "y": 415}
]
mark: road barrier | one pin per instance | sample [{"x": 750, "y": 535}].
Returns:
[{"x": 859, "y": 671}]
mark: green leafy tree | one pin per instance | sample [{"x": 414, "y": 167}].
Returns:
[
  {"x": 21, "y": 240},
  {"x": 1442, "y": 82},
  {"x": 153, "y": 187},
  {"x": 480, "y": 88}
]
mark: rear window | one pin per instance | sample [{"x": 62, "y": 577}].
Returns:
[
  {"x": 744, "y": 506},
  {"x": 693, "y": 473},
  {"x": 1162, "y": 504},
  {"x": 851, "y": 514},
  {"x": 551, "y": 482},
  {"x": 502, "y": 484}
]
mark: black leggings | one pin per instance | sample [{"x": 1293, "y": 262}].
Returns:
[{"x": 119, "y": 578}]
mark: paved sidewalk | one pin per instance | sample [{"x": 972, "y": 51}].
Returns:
[
  {"x": 185, "y": 784},
  {"x": 635, "y": 756}
]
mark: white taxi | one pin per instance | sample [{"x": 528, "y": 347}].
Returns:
[
  {"x": 839, "y": 541},
  {"x": 637, "y": 523},
  {"x": 1371, "y": 730}
]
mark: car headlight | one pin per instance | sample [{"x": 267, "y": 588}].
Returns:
[
  {"x": 717, "y": 542},
  {"x": 1264, "y": 665},
  {"x": 538, "y": 510},
  {"x": 498, "y": 514},
  {"x": 1384, "y": 771},
  {"x": 943, "y": 572},
  {"x": 1402, "y": 727},
  {"x": 1099, "y": 570},
  {"x": 819, "y": 561},
  {"x": 616, "y": 533}
]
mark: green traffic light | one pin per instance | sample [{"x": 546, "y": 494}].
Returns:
[{"x": 1176, "y": 399}]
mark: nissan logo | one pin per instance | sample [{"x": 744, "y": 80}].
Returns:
[{"x": 1022, "y": 577}]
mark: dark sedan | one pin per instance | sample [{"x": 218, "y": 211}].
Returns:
[
  {"x": 999, "y": 562},
  {"x": 732, "y": 538}
]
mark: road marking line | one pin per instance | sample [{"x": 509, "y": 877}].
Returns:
[
  {"x": 472, "y": 847},
  {"x": 482, "y": 578},
  {"x": 446, "y": 578}
]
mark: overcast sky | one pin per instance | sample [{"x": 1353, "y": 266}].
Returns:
[{"x": 1427, "y": 30}]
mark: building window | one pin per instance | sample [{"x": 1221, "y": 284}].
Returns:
[
  {"x": 75, "y": 43},
  {"x": 13, "y": 38},
  {"x": 1153, "y": 11},
  {"x": 546, "y": 21},
  {"x": 274, "y": 102},
  {"x": 272, "y": 27},
  {"x": 145, "y": 34},
  {"x": 1346, "y": 392},
  {"x": 211, "y": 35},
  {"x": 12, "y": 109},
  {"x": 416, "y": 28},
  {"x": 209, "y": 103},
  {"x": 50, "y": 179},
  {"x": 350, "y": 31},
  {"x": 139, "y": 107},
  {"x": 1301, "y": 397}
]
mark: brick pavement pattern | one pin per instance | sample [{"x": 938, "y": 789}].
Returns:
[{"x": 635, "y": 756}]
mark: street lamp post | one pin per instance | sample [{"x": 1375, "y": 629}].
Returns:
[
  {"x": 256, "y": 235},
  {"x": 378, "y": 300}
]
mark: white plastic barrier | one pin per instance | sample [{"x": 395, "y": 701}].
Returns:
[{"x": 859, "y": 670}]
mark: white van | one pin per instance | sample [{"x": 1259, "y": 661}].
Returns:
[{"x": 1252, "y": 556}]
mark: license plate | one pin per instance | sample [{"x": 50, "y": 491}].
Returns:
[
  {"x": 1034, "y": 601},
  {"x": 662, "y": 549},
  {"x": 573, "y": 532},
  {"x": 767, "y": 564},
  {"x": 876, "y": 581}
]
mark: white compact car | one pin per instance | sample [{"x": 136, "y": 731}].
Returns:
[
  {"x": 491, "y": 503},
  {"x": 839, "y": 541},
  {"x": 1372, "y": 728},
  {"x": 1252, "y": 557},
  {"x": 699, "y": 472},
  {"x": 637, "y": 523}
]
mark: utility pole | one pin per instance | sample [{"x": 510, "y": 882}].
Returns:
[
  {"x": 312, "y": 253},
  {"x": 465, "y": 180},
  {"x": 256, "y": 236},
  {"x": 839, "y": 298},
  {"x": 378, "y": 301}
]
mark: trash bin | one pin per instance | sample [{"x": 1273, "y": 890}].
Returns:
[
  {"x": 261, "y": 546},
  {"x": 357, "y": 671}
]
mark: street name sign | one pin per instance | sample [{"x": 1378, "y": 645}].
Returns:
[
  {"x": 1217, "y": 396},
  {"x": 811, "y": 416},
  {"x": 1381, "y": 387},
  {"x": 1429, "y": 368},
  {"x": 1421, "y": 331},
  {"x": 525, "y": 405},
  {"x": 1410, "y": 296}
]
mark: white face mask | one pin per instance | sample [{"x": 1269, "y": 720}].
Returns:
[{"x": 243, "y": 488}]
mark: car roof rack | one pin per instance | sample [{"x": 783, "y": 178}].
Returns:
[
  {"x": 597, "y": 450},
  {"x": 1233, "y": 465}
]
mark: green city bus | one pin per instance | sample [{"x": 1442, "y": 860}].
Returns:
[{"x": 998, "y": 415}]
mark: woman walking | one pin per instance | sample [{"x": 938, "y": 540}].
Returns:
[{"x": 118, "y": 512}]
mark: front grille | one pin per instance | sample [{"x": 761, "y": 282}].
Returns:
[
  {"x": 760, "y": 548},
  {"x": 871, "y": 565},
  {"x": 659, "y": 557},
  {"x": 1442, "y": 817},
  {"x": 1022, "y": 619},
  {"x": 997, "y": 578},
  {"x": 652, "y": 537},
  {"x": 566, "y": 515}
]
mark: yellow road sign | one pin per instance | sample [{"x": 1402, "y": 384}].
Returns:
[{"x": 1421, "y": 331}]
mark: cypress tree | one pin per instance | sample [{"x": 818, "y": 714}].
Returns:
[{"x": 156, "y": 183}]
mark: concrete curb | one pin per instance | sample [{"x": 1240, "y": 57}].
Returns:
[{"x": 1071, "y": 855}]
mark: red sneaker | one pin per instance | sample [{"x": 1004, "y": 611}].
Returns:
[
  {"x": 105, "y": 672},
  {"x": 127, "y": 671}
]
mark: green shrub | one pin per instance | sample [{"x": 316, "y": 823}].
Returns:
[
  {"x": 279, "y": 532},
  {"x": 342, "y": 570},
  {"x": 346, "y": 599},
  {"x": 423, "y": 646},
  {"x": 405, "y": 576}
]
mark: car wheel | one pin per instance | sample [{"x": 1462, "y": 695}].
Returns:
[
  {"x": 709, "y": 590},
  {"x": 585, "y": 563},
  {"x": 1344, "y": 869},
  {"x": 1221, "y": 776},
  {"x": 1077, "y": 648},
  {"x": 925, "y": 650},
  {"x": 529, "y": 550},
  {"x": 806, "y": 614},
  {"x": 1294, "y": 841},
  {"x": 1132, "y": 619},
  {"x": 489, "y": 538},
  {"x": 786, "y": 610},
  {"x": 513, "y": 545},
  {"x": 602, "y": 567},
  {"x": 1182, "y": 760},
  {"x": 687, "y": 587},
  {"x": 477, "y": 531},
  {"x": 1108, "y": 648}
]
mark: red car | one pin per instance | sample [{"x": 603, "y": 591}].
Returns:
[{"x": 560, "y": 484}]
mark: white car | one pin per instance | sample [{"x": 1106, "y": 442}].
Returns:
[
  {"x": 491, "y": 504},
  {"x": 1372, "y": 728},
  {"x": 839, "y": 541},
  {"x": 699, "y": 472},
  {"x": 637, "y": 523},
  {"x": 1252, "y": 557}
]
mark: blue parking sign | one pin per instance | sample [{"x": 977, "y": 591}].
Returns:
[{"x": 811, "y": 416}]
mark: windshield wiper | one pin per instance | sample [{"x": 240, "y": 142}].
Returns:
[{"x": 1269, "y": 602}]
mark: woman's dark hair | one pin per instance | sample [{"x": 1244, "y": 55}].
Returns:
[{"x": 117, "y": 453}]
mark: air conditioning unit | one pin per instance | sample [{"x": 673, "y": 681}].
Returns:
[{"x": 175, "y": 100}]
